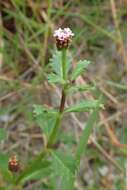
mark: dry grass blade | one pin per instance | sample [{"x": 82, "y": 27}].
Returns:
[{"x": 120, "y": 43}]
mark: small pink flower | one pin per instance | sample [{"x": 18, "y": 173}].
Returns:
[{"x": 63, "y": 37}]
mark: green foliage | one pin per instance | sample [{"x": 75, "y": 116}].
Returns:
[
  {"x": 45, "y": 118},
  {"x": 86, "y": 134},
  {"x": 79, "y": 88},
  {"x": 25, "y": 44},
  {"x": 37, "y": 170},
  {"x": 64, "y": 167},
  {"x": 33, "y": 169},
  {"x": 80, "y": 68},
  {"x": 85, "y": 105},
  {"x": 54, "y": 78},
  {"x": 56, "y": 65},
  {"x": 67, "y": 138}
]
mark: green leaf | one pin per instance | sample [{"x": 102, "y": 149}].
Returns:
[
  {"x": 39, "y": 174},
  {"x": 53, "y": 78},
  {"x": 80, "y": 88},
  {"x": 80, "y": 68},
  {"x": 36, "y": 172},
  {"x": 56, "y": 63},
  {"x": 36, "y": 169},
  {"x": 83, "y": 106},
  {"x": 65, "y": 168},
  {"x": 66, "y": 138},
  {"x": 45, "y": 118},
  {"x": 2, "y": 134},
  {"x": 86, "y": 134}
]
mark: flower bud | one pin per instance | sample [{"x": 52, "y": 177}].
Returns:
[
  {"x": 63, "y": 37},
  {"x": 13, "y": 164}
]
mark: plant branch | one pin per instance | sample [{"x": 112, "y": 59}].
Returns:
[{"x": 53, "y": 135}]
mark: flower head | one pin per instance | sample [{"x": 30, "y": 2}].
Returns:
[
  {"x": 63, "y": 37},
  {"x": 13, "y": 164}
]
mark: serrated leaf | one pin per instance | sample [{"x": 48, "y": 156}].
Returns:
[
  {"x": 80, "y": 88},
  {"x": 2, "y": 134},
  {"x": 56, "y": 63},
  {"x": 45, "y": 118},
  {"x": 83, "y": 106},
  {"x": 64, "y": 167},
  {"x": 53, "y": 78},
  {"x": 80, "y": 68}
]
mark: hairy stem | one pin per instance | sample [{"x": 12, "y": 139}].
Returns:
[{"x": 54, "y": 133}]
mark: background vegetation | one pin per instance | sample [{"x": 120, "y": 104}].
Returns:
[{"x": 26, "y": 45}]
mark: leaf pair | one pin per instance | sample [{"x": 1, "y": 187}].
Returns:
[{"x": 56, "y": 65}]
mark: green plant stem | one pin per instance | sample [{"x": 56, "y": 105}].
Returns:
[
  {"x": 64, "y": 64},
  {"x": 52, "y": 138},
  {"x": 53, "y": 135}
]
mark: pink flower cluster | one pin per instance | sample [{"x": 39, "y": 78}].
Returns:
[
  {"x": 63, "y": 34},
  {"x": 63, "y": 37}
]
